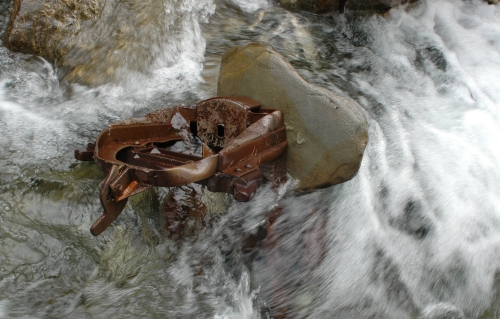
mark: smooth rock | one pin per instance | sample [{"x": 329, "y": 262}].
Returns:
[{"x": 327, "y": 133}]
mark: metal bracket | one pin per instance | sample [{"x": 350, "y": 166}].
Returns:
[{"x": 236, "y": 135}]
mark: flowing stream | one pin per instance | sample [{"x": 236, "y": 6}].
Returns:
[{"x": 416, "y": 234}]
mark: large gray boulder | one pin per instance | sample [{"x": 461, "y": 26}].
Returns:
[{"x": 327, "y": 133}]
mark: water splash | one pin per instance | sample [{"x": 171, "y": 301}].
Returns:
[
  {"x": 130, "y": 41},
  {"x": 419, "y": 225},
  {"x": 251, "y": 6}
]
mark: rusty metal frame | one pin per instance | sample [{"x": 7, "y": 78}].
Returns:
[{"x": 238, "y": 136}]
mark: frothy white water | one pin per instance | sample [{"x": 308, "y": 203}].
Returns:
[
  {"x": 244, "y": 300},
  {"x": 252, "y": 6},
  {"x": 43, "y": 120},
  {"x": 3, "y": 304},
  {"x": 420, "y": 224},
  {"x": 129, "y": 40}
]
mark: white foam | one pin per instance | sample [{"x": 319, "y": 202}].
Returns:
[
  {"x": 242, "y": 306},
  {"x": 3, "y": 309},
  {"x": 420, "y": 224},
  {"x": 252, "y": 6},
  {"x": 435, "y": 154}
]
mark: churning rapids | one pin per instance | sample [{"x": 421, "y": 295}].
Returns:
[{"x": 416, "y": 234}]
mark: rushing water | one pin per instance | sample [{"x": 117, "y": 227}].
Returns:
[{"x": 415, "y": 234}]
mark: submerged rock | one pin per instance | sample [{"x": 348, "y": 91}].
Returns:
[
  {"x": 327, "y": 133},
  {"x": 317, "y": 6},
  {"x": 320, "y": 6},
  {"x": 188, "y": 208}
]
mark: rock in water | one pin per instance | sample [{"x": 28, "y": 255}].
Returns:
[
  {"x": 321, "y": 6},
  {"x": 52, "y": 28},
  {"x": 327, "y": 133},
  {"x": 94, "y": 42},
  {"x": 317, "y": 6}
]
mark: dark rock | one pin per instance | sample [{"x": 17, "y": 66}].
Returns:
[
  {"x": 182, "y": 206},
  {"x": 50, "y": 28},
  {"x": 321, "y": 6},
  {"x": 327, "y": 133},
  {"x": 317, "y": 6},
  {"x": 5, "y": 10},
  {"x": 188, "y": 208}
]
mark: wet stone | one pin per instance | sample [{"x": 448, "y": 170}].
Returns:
[
  {"x": 188, "y": 208},
  {"x": 93, "y": 42},
  {"x": 327, "y": 133},
  {"x": 50, "y": 28},
  {"x": 321, "y": 6},
  {"x": 5, "y": 10}
]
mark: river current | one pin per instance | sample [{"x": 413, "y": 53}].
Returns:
[{"x": 416, "y": 234}]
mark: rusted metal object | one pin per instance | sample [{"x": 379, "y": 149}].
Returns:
[{"x": 236, "y": 137}]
